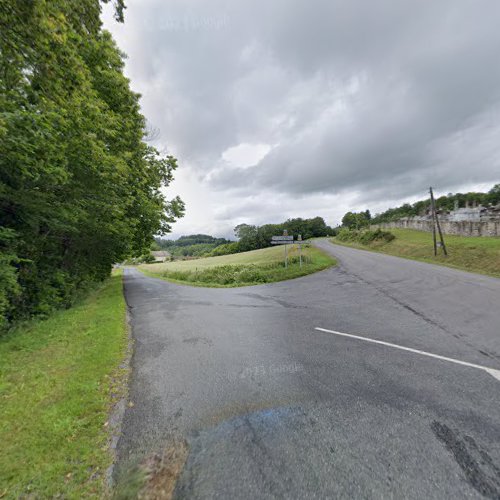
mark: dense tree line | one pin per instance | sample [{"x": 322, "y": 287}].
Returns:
[
  {"x": 252, "y": 237},
  {"x": 194, "y": 245},
  {"x": 358, "y": 220},
  {"x": 447, "y": 203},
  {"x": 192, "y": 239},
  {"x": 79, "y": 186}
]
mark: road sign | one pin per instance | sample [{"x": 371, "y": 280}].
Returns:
[
  {"x": 288, "y": 242},
  {"x": 299, "y": 239},
  {"x": 285, "y": 238}
]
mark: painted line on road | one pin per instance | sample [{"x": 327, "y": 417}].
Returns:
[{"x": 494, "y": 373}]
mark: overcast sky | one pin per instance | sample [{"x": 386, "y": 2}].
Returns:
[{"x": 298, "y": 108}]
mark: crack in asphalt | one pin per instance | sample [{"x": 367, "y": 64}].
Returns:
[
  {"x": 206, "y": 358},
  {"x": 419, "y": 314}
]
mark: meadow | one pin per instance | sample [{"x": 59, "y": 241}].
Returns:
[
  {"x": 474, "y": 254},
  {"x": 242, "y": 269}
]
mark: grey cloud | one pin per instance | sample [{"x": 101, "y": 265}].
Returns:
[{"x": 381, "y": 98}]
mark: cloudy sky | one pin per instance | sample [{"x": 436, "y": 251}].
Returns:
[{"x": 298, "y": 108}]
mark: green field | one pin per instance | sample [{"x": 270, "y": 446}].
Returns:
[
  {"x": 474, "y": 254},
  {"x": 242, "y": 269},
  {"x": 58, "y": 379}
]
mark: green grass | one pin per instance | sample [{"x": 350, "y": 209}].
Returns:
[
  {"x": 242, "y": 269},
  {"x": 474, "y": 254},
  {"x": 58, "y": 379}
]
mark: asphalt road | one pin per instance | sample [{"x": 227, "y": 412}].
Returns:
[{"x": 273, "y": 408}]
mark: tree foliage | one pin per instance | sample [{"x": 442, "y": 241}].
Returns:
[
  {"x": 364, "y": 236},
  {"x": 194, "y": 245},
  {"x": 79, "y": 187},
  {"x": 354, "y": 220},
  {"x": 224, "y": 249},
  {"x": 447, "y": 203},
  {"x": 192, "y": 239},
  {"x": 252, "y": 237}
]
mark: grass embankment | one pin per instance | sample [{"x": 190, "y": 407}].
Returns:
[
  {"x": 474, "y": 254},
  {"x": 242, "y": 269},
  {"x": 58, "y": 379}
]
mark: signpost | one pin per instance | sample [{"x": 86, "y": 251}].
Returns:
[
  {"x": 299, "y": 239},
  {"x": 283, "y": 240},
  {"x": 288, "y": 240}
]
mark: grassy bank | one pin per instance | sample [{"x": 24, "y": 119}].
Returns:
[
  {"x": 474, "y": 254},
  {"x": 58, "y": 379},
  {"x": 242, "y": 269}
]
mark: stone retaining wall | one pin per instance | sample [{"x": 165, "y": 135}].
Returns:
[{"x": 462, "y": 228}]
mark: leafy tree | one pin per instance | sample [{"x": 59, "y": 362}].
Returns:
[
  {"x": 253, "y": 237},
  {"x": 247, "y": 237},
  {"x": 79, "y": 187},
  {"x": 353, "y": 220},
  {"x": 265, "y": 234},
  {"x": 9, "y": 288},
  {"x": 443, "y": 203},
  {"x": 225, "y": 249},
  {"x": 193, "y": 245},
  {"x": 493, "y": 196},
  {"x": 315, "y": 227}
]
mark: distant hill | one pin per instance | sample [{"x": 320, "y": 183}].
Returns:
[
  {"x": 250, "y": 237},
  {"x": 193, "y": 245}
]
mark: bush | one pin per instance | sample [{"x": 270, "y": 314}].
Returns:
[
  {"x": 9, "y": 287},
  {"x": 237, "y": 274},
  {"x": 387, "y": 236},
  {"x": 146, "y": 258},
  {"x": 225, "y": 249},
  {"x": 345, "y": 234},
  {"x": 365, "y": 237},
  {"x": 222, "y": 275}
]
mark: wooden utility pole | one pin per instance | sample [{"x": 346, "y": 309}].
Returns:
[{"x": 435, "y": 222}]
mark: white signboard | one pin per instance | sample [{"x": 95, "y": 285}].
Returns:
[{"x": 286, "y": 239}]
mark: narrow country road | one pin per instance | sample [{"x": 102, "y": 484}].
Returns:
[{"x": 272, "y": 407}]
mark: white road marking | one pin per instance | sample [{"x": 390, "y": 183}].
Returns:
[{"x": 491, "y": 371}]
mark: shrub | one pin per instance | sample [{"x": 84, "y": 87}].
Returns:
[
  {"x": 146, "y": 258},
  {"x": 9, "y": 287},
  {"x": 237, "y": 274},
  {"x": 345, "y": 234},
  {"x": 387, "y": 236},
  {"x": 365, "y": 237},
  {"x": 225, "y": 249}
]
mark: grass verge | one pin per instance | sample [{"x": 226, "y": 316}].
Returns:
[
  {"x": 242, "y": 269},
  {"x": 58, "y": 381},
  {"x": 474, "y": 254}
]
